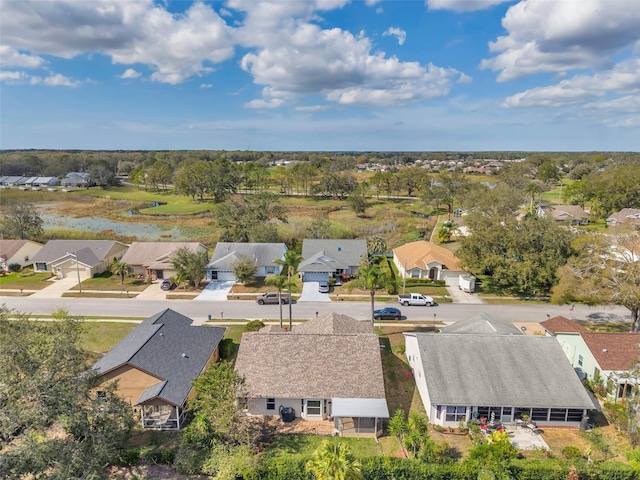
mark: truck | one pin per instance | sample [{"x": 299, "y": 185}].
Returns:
[
  {"x": 415, "y": 299},
  {"x": 467, "y": 283}
]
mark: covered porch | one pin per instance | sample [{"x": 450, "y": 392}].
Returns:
[
  {"x": 162, "y": 417},
  {"x": 359, "y": 417}
]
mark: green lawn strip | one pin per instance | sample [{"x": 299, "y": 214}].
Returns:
[
  {"x": 107, "y": 282},
  {"x": 303, "y": 446},
  {"x": 98, "y": 294},
  {"x": 512, "y": 300},
  {"x": 103, "y": 336},
  {"x": 15, "y": 281}
]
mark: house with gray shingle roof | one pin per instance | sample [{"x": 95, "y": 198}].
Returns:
[
  {"x": 155, "y": 258},
  {"x": 469, "y": 376},
  {"x": 326, "y": 258},
  {"x": 77, "y": 179},
  {"x": 598, "y": 356},
  {"x": 327, "y": 370},
  {"x": 18, "y": 251},
  {"x": 225, "y": 255},
  {"x": 155, "y": 364},
  {"x": 84, "y": 258}
]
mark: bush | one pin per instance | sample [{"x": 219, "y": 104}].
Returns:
[
  {"x": 15, "y": 267},
  {"x": 226, "y": 348},
  {"x": 129, "y": 458},
  {"x": 160, "y": 457},
  {"x": 253, "y": 326},
  {"x": 571, "y": 453}
]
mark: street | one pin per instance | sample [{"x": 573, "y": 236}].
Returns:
[{"x": 235, "y": 309}]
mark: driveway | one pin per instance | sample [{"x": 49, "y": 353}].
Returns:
[
  {"x": 216, "y": 291},
  {"x": 56, "y": 289},
  {"x": 458, "y": 296},
  {"x": 152, "y": 292},
  {"x": 310, "y": 293}
]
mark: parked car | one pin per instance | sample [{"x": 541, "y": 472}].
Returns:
[
  {"x": 387, "y": 313},
  {"x": 272, "y": 297},
  {"x": 167, "y": 284},
  {"x": 323, "y": 287},
  {"x": 415, "y": 299}
]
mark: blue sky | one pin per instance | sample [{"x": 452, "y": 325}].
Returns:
[{"x": 360, "y": 75}]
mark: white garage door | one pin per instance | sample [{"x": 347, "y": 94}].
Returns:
[
  {"x": 226, "y": 276},
  {"x": 68, "y": 272},
  {"x": 316, "y": 276}
]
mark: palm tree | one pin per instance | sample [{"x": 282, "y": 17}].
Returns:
[
  {"x": 290, "y": 262},
  {"x": 372, "y": 278},
  {"x": 376, "y": 245},
  {"x": 532, "y": 189},
  {"x": 334, "y": 461},
  {"x": 279, "y": 282},
  {"x": 119, "y": 268}
]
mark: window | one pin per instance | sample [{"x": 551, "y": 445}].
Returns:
[
  {"x": 270, "y": 270},
  {"x": 574, "y": 415},
  {"x": 520, "y": 411},
  {"x": 271, "y": 403},
  {"x": 313, "y": 407},
  {"x": 558, "y": 414},
  {"x": 438, "y": 411},
  {"x": 580, "y": 360},
  {"x": 455, "y": 414},
  {"x": 539, "y": 414},
  {"x": 26, "y": 258}
]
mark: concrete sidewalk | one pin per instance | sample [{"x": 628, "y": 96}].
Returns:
[{"x": 56, "y": 289}]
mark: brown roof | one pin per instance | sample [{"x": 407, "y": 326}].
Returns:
[
  {"x": 419, "y": 254},
  {"x": 630, "y": 215},
  {"x": 614, "y": 351},
  {"x": 311, "y": 365},
  {"x": 8, "y": 248},
  {"x": 149, "y": 254},
  {"x": 334, "y": 324},
  {"x": 558, "y": 211},
  {"x": 562, "y": 324}
]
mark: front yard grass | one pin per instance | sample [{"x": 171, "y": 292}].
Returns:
[
  {"x": 16, "y": 281},
  {"x": 108, "y": 282},
  {"x": 303, "y": 446},
  {"x": 100, "y": 337}
]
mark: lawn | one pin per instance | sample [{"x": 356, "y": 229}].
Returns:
[
  {"x": 100, "y": 337},
  {"x": 107, "y": 282},
  {"x": 303, "y": 446},
  {"x": 36, "y": 281}
]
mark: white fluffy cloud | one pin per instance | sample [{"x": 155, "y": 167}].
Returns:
[
  {"x": 399, "y": 33},
  {"x": 52, "y": 80},
  {"x": 130, "y": 73},
  {"x": 557, "y": 36},
  {"x": 10, "y": 57},
  {"x": 463, "y": 5}
]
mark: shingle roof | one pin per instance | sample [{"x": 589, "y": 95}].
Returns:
[
  {"x": 322, "y": 255},
  {"x": 334, "y": 324},
  {"x": 226, "y": 253},
  {"x": 631, "y": 215},
  {"x": 311, "y": 365},
  {"x": 146, "y": 253},
  {"x": 8, "y": 248},
  {"x": 55, "y": 249},
  {"x": 614, "y": 351},
  {"x": 561, "y": 211},
  {"x": 421, "y": 253},
  {"x": 562, "y": 324},
  {"x": 483, "y": 323},
  {"x": 167, "y": 346},
  {"x": 515, "y": 370}
]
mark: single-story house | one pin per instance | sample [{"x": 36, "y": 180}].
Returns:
[
  {"x": 84, "y": 258},
  {"x": 225, "y": 254},
  {"x": 77, "y": 179},
  {"x": 326, "y": 258},
  {"x": 625, "y": 216},
  {"x": 18, "y": 251},
  {"x": 572, "y": 214},
  {"x": 155, "y": 364},
  {"x": 483, "y": 324},
  {"x": 422, "y": 259},
  {"x": 154, "y": 258},
  {"x": 327, "y": 370},
  {"x": 466, "y": 377},
  {"x": 14, "y": 180},
  {"x": 42, "y": 182},
  {"x": 608, "y": 356}
]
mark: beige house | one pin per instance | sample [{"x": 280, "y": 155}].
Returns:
[
  {"x": 84, "y": 258},
  {"x": 424, "y": 259},
  {"x": 155, "y": 258},
  {"x": 572, "y": 214},
  {"x": 629, "y": 216},
  {"x": 155, "y": 364},
  {"x": 18, "y": 251},
  {"x": 326, "y": 370}
]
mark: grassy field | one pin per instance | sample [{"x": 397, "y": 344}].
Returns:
[
  {"x": 37, "y": 281},
  {"x": 107, "y": 282},
  {"x": 303, "y": 446}
]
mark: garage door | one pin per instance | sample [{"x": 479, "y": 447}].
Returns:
[
  {"x": 316, "y": 276},
  {"x": 226, "y": 276},
  {"x": 68, "y": 272}
]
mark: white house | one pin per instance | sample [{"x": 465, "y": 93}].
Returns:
[
  {"x": 225, "y": 254},
  {"x": 464, "y": 377}
]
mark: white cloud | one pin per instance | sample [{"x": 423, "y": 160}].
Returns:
[
  {"x": 399, "y": 33},
  {"x": 465, "y": 79},
  {"x": 629, "y": 122},
  {"x": 371, "y": 3},
  {"x": 204, "y": 86},
  {"x": 130, "y": 73},
  {"x": 312, "y": 108},
  {"x": 556, "y": 36},
  {"x": 265, "y": 103},
  {"x": 626, "y": 104},
  {"x": 10, "y": 57},
  {"x": 463, "y": 5},
  {"x": 52, "y": 80},
  {"x": 624, "y": 78}
]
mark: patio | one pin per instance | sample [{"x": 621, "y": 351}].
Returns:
[
  {"x": 526, "y": 439},
  {"x": 306, "y": 427}
]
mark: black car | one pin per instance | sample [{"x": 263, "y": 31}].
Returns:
[{"x": 387, "y": 313}]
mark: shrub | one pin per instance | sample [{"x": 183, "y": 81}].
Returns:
[
  {"x": 438, "y": 428},
  {"x": 253, "y": 326},
  {"x": 226, "y": 348},
  {"x": 15, "y": 267},
  {"x": 570, "y": 452},
  {"x": 129, "y": 458},
  {"x": 160, "y": 457}
]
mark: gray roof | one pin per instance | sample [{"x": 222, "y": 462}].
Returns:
[
  {"x": 499, "y": 370},
  {"x": 168, "y": 347},
  {"x": 327, "y": 255},
  {"x": 9, "y": 247},
  {"x": 55, "y": 249},
  {"x": 226, "y": 253},
  {"x": 483, "y": 323},
  {"x": 334, "y": 324},
  {"x": 147, "y": 253},
  {"x": 311, "y": 365}
]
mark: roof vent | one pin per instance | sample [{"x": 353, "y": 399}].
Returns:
[
  {"x": 184, "y": 355},
  {"x": 339, "y": 249},
  {"x": 604, "y": 350},
  {"x": 161, "y": 334}
]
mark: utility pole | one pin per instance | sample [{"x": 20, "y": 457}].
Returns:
[{"x": 78, "y": 272}]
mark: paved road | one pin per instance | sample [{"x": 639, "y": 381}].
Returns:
[{"x": 236, "y": 309}]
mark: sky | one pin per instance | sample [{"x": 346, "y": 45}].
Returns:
[{"x": 321, "y": 75}]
